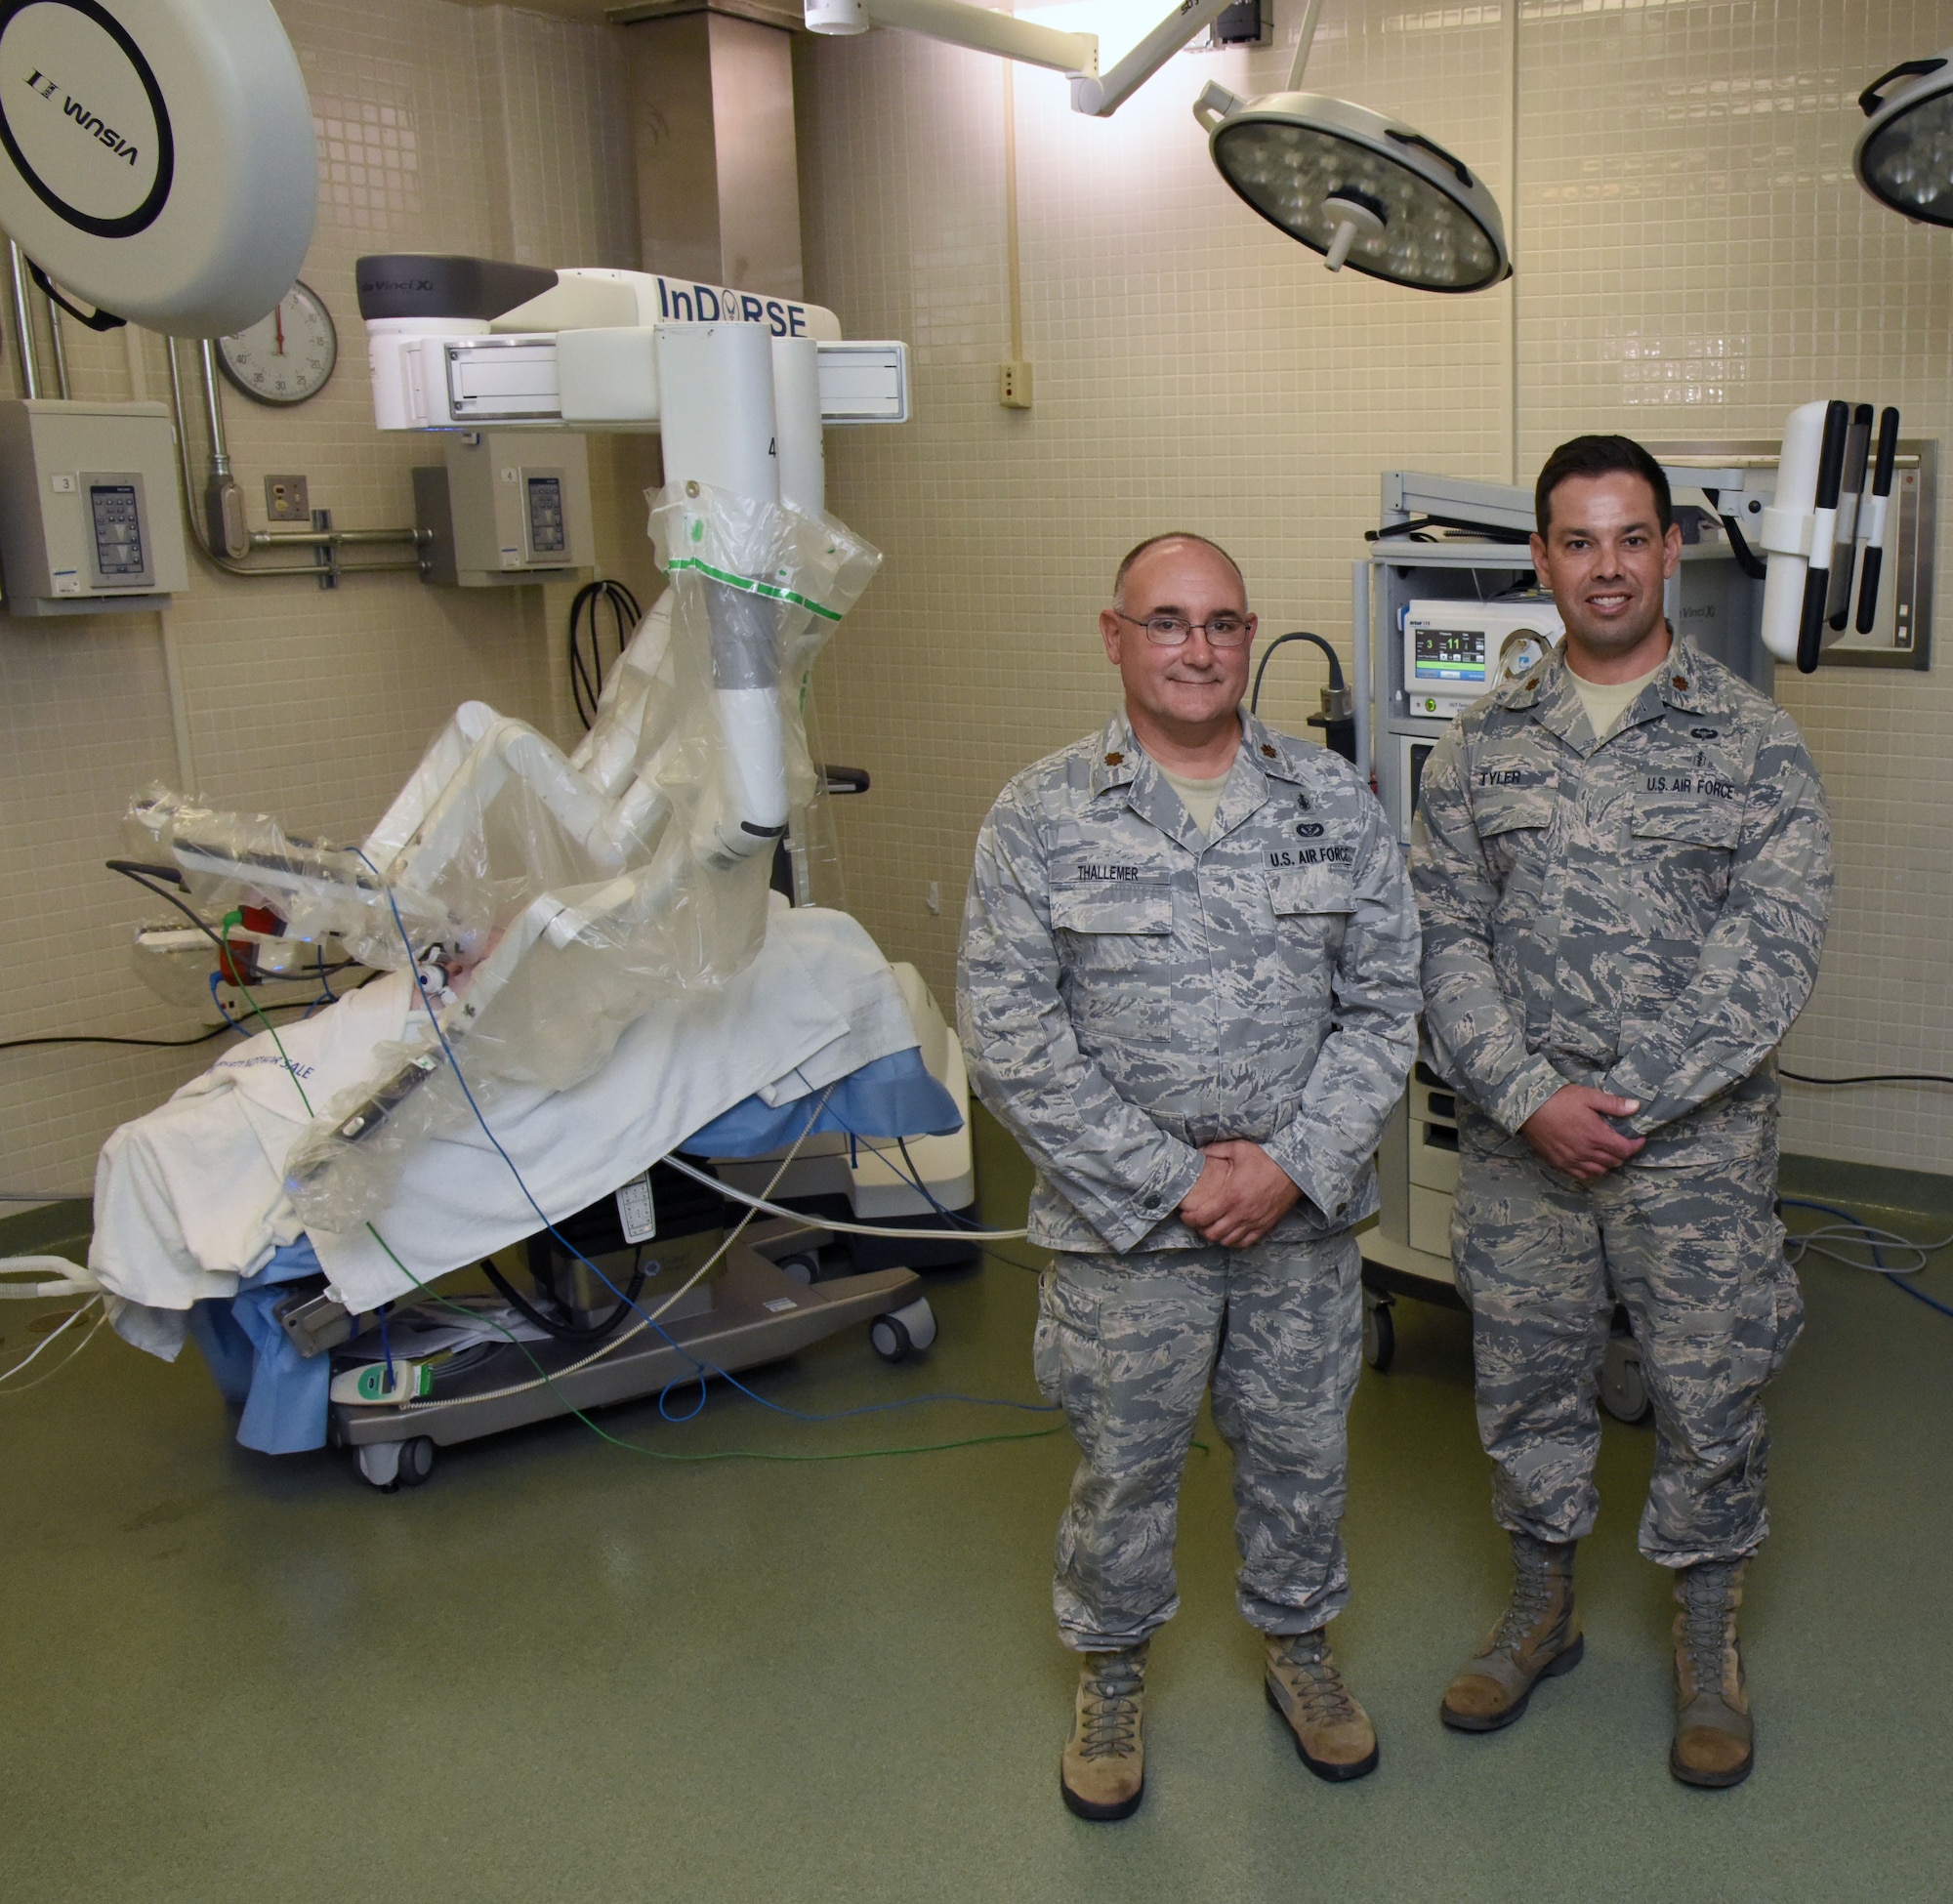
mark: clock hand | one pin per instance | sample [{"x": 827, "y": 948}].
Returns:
[{"x": 278, "y": 318}]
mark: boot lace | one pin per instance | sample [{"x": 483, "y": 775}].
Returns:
[
  {"x": 1108, "y": 1727},
  {"x": 1705, "y": 1625},
  {"x": 1320, "y": 1689},
  {"x": 1531, "y": 1601}
]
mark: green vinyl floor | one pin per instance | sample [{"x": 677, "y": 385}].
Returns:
[{"x": 566, "y": 1671}]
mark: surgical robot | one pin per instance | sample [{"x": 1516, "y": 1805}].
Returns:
[{"x": 544, "y": 901}]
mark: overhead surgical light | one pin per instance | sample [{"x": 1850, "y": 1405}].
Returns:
[
  {"x": 1356, "y": 186},
  {"x": 1904, "y": 157}
]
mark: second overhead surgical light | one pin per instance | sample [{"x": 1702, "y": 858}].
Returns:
[{"x": 1904, "y": 157}]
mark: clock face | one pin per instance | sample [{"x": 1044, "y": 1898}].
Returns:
[{"x": 287, "y": 355}]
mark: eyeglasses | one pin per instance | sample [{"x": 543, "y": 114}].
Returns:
[{"x": 1171, "y": 632}]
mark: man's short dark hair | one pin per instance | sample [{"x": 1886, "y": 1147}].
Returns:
[
  {"x": 1599, "y": 456},
  {"x": 1174, "y": 535}
]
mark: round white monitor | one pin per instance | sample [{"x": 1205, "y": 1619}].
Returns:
[{"x": 156, "y": 156}]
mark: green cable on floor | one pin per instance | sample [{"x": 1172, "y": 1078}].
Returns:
[
  {"x": 603, "y": 1434},
  {"x": 729, "y": 1454}
]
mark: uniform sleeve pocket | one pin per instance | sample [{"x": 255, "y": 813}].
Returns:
[
  {"x": 1691, "y": 820},
  {"x": 1133, "y": 907}
]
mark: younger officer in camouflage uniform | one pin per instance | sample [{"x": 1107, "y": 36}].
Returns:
[
  {"x": 1194, "y": 1009},
  {"x": 1619, "y": 928}
]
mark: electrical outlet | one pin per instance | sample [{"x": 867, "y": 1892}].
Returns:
[
  {"x": 1013, "y": 387},
  {"x": 932, "y": 896},
  {"x": 286, "y": 500}
]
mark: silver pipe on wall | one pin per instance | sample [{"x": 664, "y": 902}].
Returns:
[
  {"x": 23, "y": 322},
  {"x": 213, "y": 404},
  {"x": 61, "y": 350},
  {"x": 199, "y": 530}
]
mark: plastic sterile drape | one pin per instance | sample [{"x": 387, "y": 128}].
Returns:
[{"x": 547, "y": 900}]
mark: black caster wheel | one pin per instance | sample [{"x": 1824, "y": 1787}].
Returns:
[
  {"x": 900, "y": 1333},
  {"x": 801, "y": 1268},
  {"x": 1380, "y": 1336},
  {"x": 393, "y": 1464},
  {"x": 1624, "y": 1389}
]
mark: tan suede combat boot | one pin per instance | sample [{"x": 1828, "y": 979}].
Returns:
[
  {"x": 1102, "y": 1773},
  {"x": 1333, "y": 1734},
  {"x": 1715, "y": 1741},
  {"x": 1538, "y": 1638}
]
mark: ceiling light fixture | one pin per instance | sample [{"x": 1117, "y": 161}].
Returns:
[
  {"x": 1904, "y": 157},
  {"x": 1361, "y": 188}
]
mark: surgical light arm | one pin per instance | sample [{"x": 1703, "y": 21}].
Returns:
[{"x": 983, "y": 30}]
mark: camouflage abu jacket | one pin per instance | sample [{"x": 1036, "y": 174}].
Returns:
[
  {"x": 1643, "y": 914},
  {"x": 1129, "y": 990}
]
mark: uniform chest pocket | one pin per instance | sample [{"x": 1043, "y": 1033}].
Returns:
[
  {"x": 1686, "y": 817},
  {"x": 1115, "y": 951},
  {"x": 1311, "y": 907},
  {"x": 1684, "y": 845},
  {"x": 1515, "y": 824},
  {"x": 1311, "y": 889},
  {"x": 1128, "y": 906}
]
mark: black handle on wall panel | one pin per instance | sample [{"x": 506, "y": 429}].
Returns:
[
  {"x": 1817, "y": 578},
  {"x": 1882, "y": 483},
  {"x": 1857, "y": 449}
]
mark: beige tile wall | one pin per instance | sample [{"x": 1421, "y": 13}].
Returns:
[
  {"x": 440, "y": 128},
  {"x": 1690, "y": 246},
  {"x": 1694, "y": 259}
]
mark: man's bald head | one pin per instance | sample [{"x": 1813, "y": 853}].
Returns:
[{"x": 1153, "y": 542}]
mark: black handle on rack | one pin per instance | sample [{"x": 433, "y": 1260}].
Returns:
[
  {"x": 1882, "y": 483},
  {"x": 1747, "y": 560},
  {"x": 1858, "y": 447},
  {"x": 1817, "y": 578}
]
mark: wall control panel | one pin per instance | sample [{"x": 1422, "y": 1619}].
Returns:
[
  {"x": 505, "y": 507},
  {"x": 89, "y": 521}
]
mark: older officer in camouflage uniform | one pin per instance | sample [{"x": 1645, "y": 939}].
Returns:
[
  {"x": 1623, "y": 863},
  {"x": 1188, "y": 987}
]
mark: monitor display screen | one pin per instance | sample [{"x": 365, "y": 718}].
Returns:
[{"x": 1449, "y": 654}]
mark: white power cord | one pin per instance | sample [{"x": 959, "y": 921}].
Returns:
[
  {"x": 847, "y": 1229},
  {"x": 646, "y": 1318},
  {"x": 67, "y": 1323}
]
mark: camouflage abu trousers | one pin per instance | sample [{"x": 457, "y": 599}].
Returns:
[
  {"x": 1696, "y": 1254},
  {"x": 1127, "y": 1344}
]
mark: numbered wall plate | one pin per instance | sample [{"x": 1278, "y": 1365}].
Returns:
[{"x": 287, "y": 356}]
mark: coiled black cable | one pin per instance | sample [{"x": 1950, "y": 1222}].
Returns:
[
  {"x": 555, "y": 1325},
  {"x": 586, "y": 674}
]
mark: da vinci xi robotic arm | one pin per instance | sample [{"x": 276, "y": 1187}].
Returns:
[{"x": 548, "y": 900}]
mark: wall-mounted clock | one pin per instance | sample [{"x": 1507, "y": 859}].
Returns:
[{"x": 287, "y": 355}]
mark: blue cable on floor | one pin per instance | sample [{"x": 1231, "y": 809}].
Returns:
[
  {"x": 699, "y": 1362},
  {"x": 1897, "y": 1279}
]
